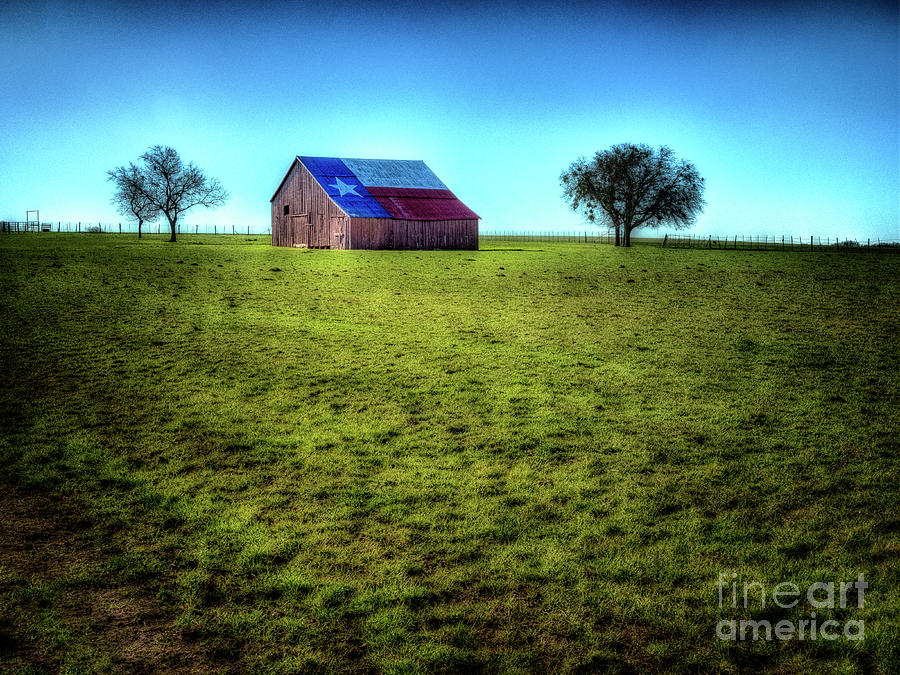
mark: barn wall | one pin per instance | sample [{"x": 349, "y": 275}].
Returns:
[
  {"x": 385, "y": 233},
  {"x": 313, "y": 219}
]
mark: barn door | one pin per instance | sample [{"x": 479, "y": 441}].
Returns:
[
  {"x": 317, "y": 231},
  {"x": 299, "y": 231},
  {"x": 338, "y": 232}
]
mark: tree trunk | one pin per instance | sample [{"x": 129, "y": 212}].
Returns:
[
  {"x": 140, "y": 222},
  {"x": 627, "y": 233},
  {"x": 617, "y": 235},
  {"x": 172, "y": 227}
]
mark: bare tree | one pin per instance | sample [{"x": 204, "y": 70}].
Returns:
[
  {"x": 172, "y": 187},
  {"x": 130, "y": 199},
  {"x": 629, "y": 186}
]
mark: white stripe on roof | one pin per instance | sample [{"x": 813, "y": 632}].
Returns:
[{"x": 400, "y": 173}]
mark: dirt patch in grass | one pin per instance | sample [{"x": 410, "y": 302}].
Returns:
[{"x": 57, "y": 610}]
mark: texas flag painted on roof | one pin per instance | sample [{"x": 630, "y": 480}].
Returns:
[{"x": 386, "y": 188}]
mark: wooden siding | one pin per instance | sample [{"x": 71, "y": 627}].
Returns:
[
  {"x": 387, "y": 233},
  {"x": 313, "y": 219}
]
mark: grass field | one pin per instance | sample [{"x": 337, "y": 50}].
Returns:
[{"x": 533, "y": 457}]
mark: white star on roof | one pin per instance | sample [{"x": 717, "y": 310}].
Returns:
[{"x": 345, "y": 189}]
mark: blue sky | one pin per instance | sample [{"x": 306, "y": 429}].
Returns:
[{"x": 791, "y": 111}]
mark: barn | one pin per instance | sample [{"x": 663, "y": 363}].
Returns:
[{"x": 330, "y": 202}]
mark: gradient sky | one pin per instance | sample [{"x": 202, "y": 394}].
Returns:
[{"x": 790, "y": 111}]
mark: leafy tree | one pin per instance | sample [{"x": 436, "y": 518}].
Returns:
[
  {"x": 130, "y": 198},
  {"x": 170, "y": 186},
  {"x": 630, "y": 186}
]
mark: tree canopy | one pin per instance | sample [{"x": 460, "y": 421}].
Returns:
[
  {"x": 630, "y": 186},
  {"x": 130, "y": 198},
  {"x": 165, "y": 184}
]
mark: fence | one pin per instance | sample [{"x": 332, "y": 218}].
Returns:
[
  {"x": 776, "y": 243},
  {"x": 738, "y": 242},
  {"x": 597, "y": 237},
  {"x": 735, "y": 242},
  {"x": 129, "y": 228}
]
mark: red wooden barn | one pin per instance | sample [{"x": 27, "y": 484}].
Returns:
[{"x": 326, "y": 202}]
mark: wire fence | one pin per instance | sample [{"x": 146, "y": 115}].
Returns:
[
  {"x": 779, "y": 243},
  {"x": 730, "y": 242},
  {"x": 128, "y": 228},
  {"x": 575, "y": 236}
]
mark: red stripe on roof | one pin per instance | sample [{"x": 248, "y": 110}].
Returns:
[{"x": 421, "y": 203}]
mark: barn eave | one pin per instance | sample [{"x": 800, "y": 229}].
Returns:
[{"x": 288, "y": 173}]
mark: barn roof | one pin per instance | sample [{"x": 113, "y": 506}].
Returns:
[{"x": 386, "y": 188}]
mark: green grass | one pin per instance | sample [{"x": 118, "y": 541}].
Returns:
[{"x": 537, "y": 456}]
